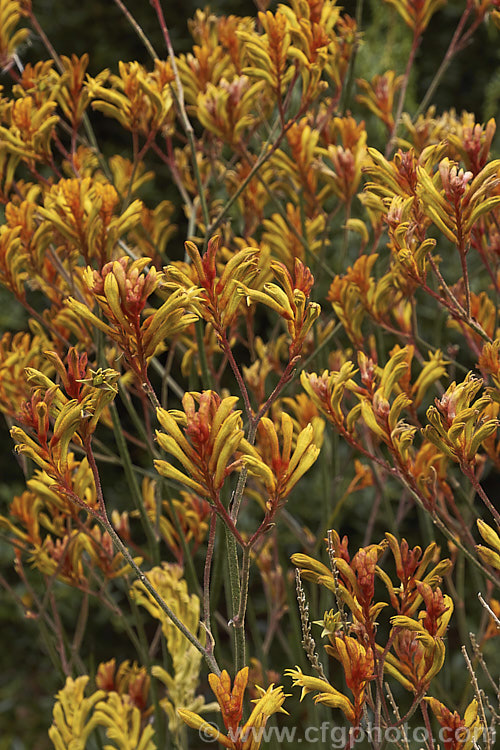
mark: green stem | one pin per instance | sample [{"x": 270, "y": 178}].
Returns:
[
  {"x": 235, "y": 593},
  {"x": 455, "y": 308},
  {"x": 237, "y": 374},
  {"x": 239, "y": 620}
]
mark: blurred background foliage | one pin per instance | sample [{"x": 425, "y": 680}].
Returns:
[{"x": 28, "y": 677}]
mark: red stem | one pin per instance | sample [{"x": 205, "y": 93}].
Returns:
[
  {"x": 469, "y": 473},
  {"x": 206, "y": 572},
  {"x": 417, "y": 37}
]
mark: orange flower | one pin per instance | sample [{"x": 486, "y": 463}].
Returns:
[
  {"x": 246, "y": 737},
  {"x": 230, "y": 699}
]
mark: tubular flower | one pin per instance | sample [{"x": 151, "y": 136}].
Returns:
[
  {"x": 82, "y": 211},
  {"x": 250, "y": 735},
  {"x": 45, "y": 526},
  {"x": 432, "y": 370},
  {"x": 316, "y": 33},
  {"x": 94, "y": 388},
  {"x": 118, "y": 705},
  {"x": 382, "y": 417},
  {"x": 326, "y": 693},
  {"x": 400, "y": 179},
  {"x": 40, "y": 515},
  {"x": 34, "y": 235},
  {"x": 123, "y": 723},
  {"x": 72, "y": 96},
  {"x": 489, "y": 362},
  {"x": 458, "y": 733},
  {"x": 355, "y": 584},
  {"x": 378, "y": 95},
  {"x": 50, "y": 453},
  {"x": 415, "y": 651},
  {"x": 30, "y": 131},
  {"x": 230, "y": 699},
  {"x": 10, "y": 36},
  {"x": 358, "y": 665},
  {"x": 72, "y": 721},
  {"x": 63, "y": 557},
  {"x": 13, "y": 273},
  {"x": 39, "y": 80},
  {"x": 327, "y": 390},
  {"x": 418, "y": 644},
  {"x": 416, "y": 13},
  {"x": 471, "y": 140},
  {"x": 381, "y": 413},
  {"x": 357, "y": 293},
  {"x": 127, "y": 679},
  {"x": 228, "y": 109},
  {"x": 290, "y": 301},
  {"x": 491, "y": 554},
  {"x": 50, "y": 410},
  {"x": 411, "y": 566},
  {"x": 216, "y": 300},
  {"x": 206, "y": 443},
  {"x": 140, "y": 100},
  {"x": 121, "y": 290},
  {"x": 217, "y": 52},
  {"x": 410, "y": 257},
  {"x": 297, "y": 171},
  {"x": 281, "y": 470},
  {"x": 462, "y": 200},
  {"x": 268, "y": 52},
  {"x": 282, "y": 234},
  {"x": 458, "y": 425},
  {"x": 347, "y": 155},
  {"x": 17, "y": 352}
]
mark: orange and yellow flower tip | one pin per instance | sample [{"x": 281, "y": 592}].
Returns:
[
  {"x": 205, "y": 728},
  {"x": 326, "y": 693}
]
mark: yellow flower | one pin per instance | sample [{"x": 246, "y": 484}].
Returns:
[
  {"x": 458, "y": 733},
  {"x": 458, "y": 424},
  {"x": 290, "y": 301},
  {"x": 490, "y": 555},
  {"x": 280, "y": 470},
  {"x": 205, "y": 446},
  {"x": 416, "y": 14},
  {"x": 326, "y": 694}
]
